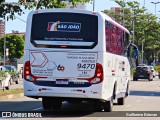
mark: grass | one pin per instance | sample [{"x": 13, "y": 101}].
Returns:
[{"x": 9, "y": 92}]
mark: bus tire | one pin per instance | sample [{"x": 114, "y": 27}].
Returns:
[
  {"x": 98, "y": 106},
  {"x": 121, "y": 101},
  {"x": 107, "y": 105},
  {"x": 56, "y": 104},
  {"x": 17, "y": 82},
  {"x": 127, "y": 90},
  {"x": 8, "y": 87},
  {"x": 134, "y": 79},
  {"x": 46, "y": 102}
]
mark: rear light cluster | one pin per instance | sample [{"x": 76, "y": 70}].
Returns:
[
  {"x": 149, "y": 72},
  {"x": 98, "y": 76},
  {"x": 27, "y": 73}
]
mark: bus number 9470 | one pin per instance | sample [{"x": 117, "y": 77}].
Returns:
[{"x": 85, "y": 66}]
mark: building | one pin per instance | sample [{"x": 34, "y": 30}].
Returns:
[
  {"x": 17, "y": 33},
  {"x": 2, "y": 28},
  {"x": 117, "y": 11}
]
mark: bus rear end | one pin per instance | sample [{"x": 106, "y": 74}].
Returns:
[{"x": 61, "y": 57}]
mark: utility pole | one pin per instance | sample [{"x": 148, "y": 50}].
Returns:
[
  {"x": 93, "y": 5},
  {"x": 4, "y": 46}
]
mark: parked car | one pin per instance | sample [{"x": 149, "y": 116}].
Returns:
[
  {"x": 153, "y": 70},
  {"x": 143, "y": 72},
  {"x": 5, "y": 78},
  {"x": 21, "y": 71},
  {"x": 14, "y": 73}
]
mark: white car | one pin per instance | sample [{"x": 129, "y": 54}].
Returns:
[
  {"x": 5, "y": 82},
  {"x": 153, "y": 70}
]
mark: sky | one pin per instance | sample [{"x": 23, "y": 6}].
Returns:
[{"x": 100, "y": 5}]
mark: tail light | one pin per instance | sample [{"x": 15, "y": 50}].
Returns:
[
  {"x": 98, "y": 76},
  {"x": 149, "y": 72},
  {"x": 27, "y": 73},
  {"x": 134, "y": 71}
]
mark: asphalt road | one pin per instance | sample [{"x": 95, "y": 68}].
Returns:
[{"x": 144, "y": 96}]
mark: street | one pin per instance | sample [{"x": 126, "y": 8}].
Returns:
[{"x": 144, "y": 96}]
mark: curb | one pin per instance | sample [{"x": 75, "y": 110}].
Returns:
[{"x": 12, "y": 96}]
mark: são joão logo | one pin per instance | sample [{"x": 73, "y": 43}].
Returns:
[{"x": 64, "y": 26}]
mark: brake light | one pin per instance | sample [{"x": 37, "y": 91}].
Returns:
[
  {"x": 27, "y": 73},
  {"x": 149, "y": 72},
  {"x": 63, "y": 46},
  {"x": 98, "y": 76}
]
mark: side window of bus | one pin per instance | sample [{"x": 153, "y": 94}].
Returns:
[
  {"x": 108, "y": 36},
  {"x": 125, "y": 40},
  {"x": 120, "y": 41},
  {"x": 116, "y": 39},
  {"x": 110, "y": 33}
]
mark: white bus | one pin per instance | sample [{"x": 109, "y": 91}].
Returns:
[{"x": 75, "y": 56}]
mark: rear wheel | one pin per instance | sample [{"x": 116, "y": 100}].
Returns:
[
  {"x": 98, "y": 106},
  {"x": 17, "y": 82},
  {"x": 127, "y": 90},
  {"x": 57, "y": 104},
  {"x": 107, "y": 105},
  {"x": 8, "y": 87},
  {"x": 49, "y": 103},
  {"x": 121, "y": 101},
  {"x": 46, "y": 102},
  {"x": 135, "y": 79}
]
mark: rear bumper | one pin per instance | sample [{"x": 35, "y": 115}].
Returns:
[
  {"x": 93, "y": 92},
  {"x": 141, "y": 78}
]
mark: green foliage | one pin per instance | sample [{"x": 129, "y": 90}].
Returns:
[
  {"x": 3, "y": 75},
  {"x": 132, "y": 71},
  {"x": 156, "y": 68},
  {"x": 40, "y": 4},
  {"x": 15, "y": 44},
  {"x": 9, "y": 9},
  {"x": 16, "y": 8},
  {"x": 13, "y": 73},
  {"x": 146, "y": 27}
]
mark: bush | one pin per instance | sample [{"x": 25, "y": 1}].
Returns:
[{"x": 3, "y": 74}]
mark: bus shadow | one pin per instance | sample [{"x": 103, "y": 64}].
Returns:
[
  {"x": 144, "y": 93},
  {"x": 68, "y": 110}
]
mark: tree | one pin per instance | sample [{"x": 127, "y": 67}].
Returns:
[
  {"x": 9, "y": 8},
  {"x": 146, "y": 27},
  {"x": 16, "y": 8},
  {"x": 15, "y": 44}
]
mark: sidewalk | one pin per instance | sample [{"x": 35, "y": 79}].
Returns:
[{"x": 12, "y": 96}]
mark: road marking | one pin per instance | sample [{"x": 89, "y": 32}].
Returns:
[
  {"x": 38, "y": 108},
  {"x": 138, "y": 101},
  {"x": 128, "y": 105}
]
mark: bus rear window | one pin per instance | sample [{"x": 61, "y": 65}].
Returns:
[{"x": 64, "y": 30}]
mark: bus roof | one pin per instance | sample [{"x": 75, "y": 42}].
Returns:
[{"x": 113, "y": 22}]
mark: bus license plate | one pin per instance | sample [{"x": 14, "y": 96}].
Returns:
[{"x": 61, "y": 82}]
